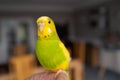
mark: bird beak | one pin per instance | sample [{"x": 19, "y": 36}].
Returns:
[{"x": 41, "y": 25}]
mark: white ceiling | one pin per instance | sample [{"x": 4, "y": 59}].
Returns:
[{"x": 46, "y": 5}]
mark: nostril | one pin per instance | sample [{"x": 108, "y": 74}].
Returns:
[{"x": 41, "y": 24}]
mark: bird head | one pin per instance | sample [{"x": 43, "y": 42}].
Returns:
[{"x": 46, "y": 27}]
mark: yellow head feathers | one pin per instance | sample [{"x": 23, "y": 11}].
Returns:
[{"x": 46, "y": 27}]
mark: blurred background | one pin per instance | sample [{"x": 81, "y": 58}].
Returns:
[{"x": 89, "y": 29}]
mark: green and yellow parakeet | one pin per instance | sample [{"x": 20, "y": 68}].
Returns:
[{"x": 50, "y": 51}]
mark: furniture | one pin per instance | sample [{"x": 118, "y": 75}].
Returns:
[
  {"x": 76, "y": 70},
  {"x": 21, "y": 66},
  {"x": 95, "y": 57},
  {"x": 7, "y": 77},
  {"x": 19, "y": 49},
  {"x": 79, "y": 51}
]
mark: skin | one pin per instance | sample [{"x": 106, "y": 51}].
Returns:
[{"x": 48, "y": 76}]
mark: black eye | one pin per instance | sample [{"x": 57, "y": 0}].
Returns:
[{"x": 49, "y": 22}]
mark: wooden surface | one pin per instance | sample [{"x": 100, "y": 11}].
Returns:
[
  {"x": 95, "y": 57},
  {"x": 76, "y": 70},
  {"x": 7, "y": 77},
  {"x": 19, "y": 49},
  {"x": 22, "y": 66},
  {"x": 79, "y": 51}
]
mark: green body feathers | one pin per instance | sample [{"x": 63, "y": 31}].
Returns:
[{"x": 51, "y": 54}]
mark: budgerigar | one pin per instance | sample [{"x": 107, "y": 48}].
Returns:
[{"x": 50, "y": 51}]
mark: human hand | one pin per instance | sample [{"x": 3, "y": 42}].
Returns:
[{"x": 49, "y": 76}]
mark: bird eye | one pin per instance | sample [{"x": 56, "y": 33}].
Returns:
[{"x": 49, "y": 22}]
